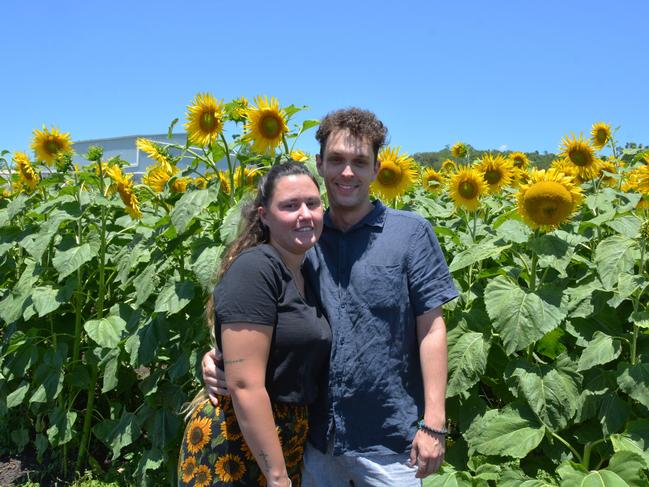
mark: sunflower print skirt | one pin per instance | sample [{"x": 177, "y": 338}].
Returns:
[{"x": 214, "y": 453}]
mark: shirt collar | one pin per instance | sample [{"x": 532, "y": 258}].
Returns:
[{"x": 375, "y": 218}]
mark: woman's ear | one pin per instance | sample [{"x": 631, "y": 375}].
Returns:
[{"x": 262, "y": 214}]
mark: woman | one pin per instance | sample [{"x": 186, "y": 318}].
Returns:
[{"x": 275, "y": 343}]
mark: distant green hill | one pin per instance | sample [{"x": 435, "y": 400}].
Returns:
[{"x": 435, "y": 159}]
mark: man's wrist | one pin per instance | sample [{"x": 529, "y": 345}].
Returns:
[{"x": 432, "y": 431}]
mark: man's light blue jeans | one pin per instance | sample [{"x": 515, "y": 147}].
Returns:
[{"x": 326, "y": 470}]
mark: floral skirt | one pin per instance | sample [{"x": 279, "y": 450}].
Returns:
[{"x": 214, "y": 452}]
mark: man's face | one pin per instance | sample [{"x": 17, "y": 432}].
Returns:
[{"x": 348, "y": 167}]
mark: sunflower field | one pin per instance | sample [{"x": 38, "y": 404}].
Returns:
[{"x": 104, "y": 279}]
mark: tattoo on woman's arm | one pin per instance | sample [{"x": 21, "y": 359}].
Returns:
[
  {"x": 235, "y": 361},
  {"x": 264, "y": 457}
]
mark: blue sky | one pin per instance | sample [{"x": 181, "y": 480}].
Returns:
[{"x": 519, "y": 74}]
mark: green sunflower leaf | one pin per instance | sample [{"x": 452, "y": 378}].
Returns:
[
  {"x": 189, "y": 206},
  {"x": 521, "y": 317},
  {"x": 634, "y": 380},
  {"x": 68, "y": 261},
  {"x": 477, "y": 253},
  {"x": 467, "y": 360},
  {"x": 602, "y": 349},
  {"x": 634, "y": 439},
  {"x": 174, "y": 297},
  {"x": 106, "y": 332},
  {"x": 513, "y": 431},
  {"x": 615, "y": 255}
]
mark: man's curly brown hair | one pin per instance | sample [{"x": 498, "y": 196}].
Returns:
[{"x": 360, "y": 123}]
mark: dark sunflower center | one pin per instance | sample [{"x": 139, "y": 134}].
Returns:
[
  {"x": 579, "y": 157},
  {"x": 52, "y": 146},
  {"x": 518, "y": 162},
  {"x": 189, "y": 468},
  {"x": 468, "y": 190},
  {"x": 493, "y": 176},
  {"x": 231, "y": 466},
  {"x": 208, "y": 122},
  {"x": 201, "y": 478},
  {"x": 389, "y": 177},
  {"x": 601, "y": 136},
  {"x": 197, "y": 436},
  {"x": 270, "y": 127}
]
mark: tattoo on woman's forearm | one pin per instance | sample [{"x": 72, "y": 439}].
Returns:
[
  {"x": 264, "y": 457},
  {"x": 235, "y": 361}
]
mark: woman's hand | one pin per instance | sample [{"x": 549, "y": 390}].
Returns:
[{"x": 213, "y": 376}]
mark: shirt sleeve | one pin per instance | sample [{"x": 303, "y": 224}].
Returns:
[
  {"x": 249, "y": 291},
  {"x": 429, "y": 280}
]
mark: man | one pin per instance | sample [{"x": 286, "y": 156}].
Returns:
[{"x": 382, "y": 280}]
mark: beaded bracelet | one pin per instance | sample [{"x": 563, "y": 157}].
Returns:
[{"x": 431, "y": 431}]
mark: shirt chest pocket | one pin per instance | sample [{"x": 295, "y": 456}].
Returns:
[{"x": 379, "y": 286}]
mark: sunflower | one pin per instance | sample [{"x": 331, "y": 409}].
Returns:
[
  {"x": 497, "y": 171},
  {"x": 459, "y": 150},
  {"x": 582, "y": 155},
  {"x": 124, "y": 186},
  {"x": 203, "y": 477},
  {"x": 188, "y": 469},
  {"x": 26, "y": 173},
  {"x": 180, "y": 185},
  {"x": 519, "y": 160},
  {"x": 638, "y": 180},
  {"x": 244, "y": 177},
  {"x": 299, "y": 156},
  {"x": 247, "y": 453},
  {"x": 199, "y": 182},
  {"x": 230, "y": 428},
  {"x": 293, "y": 454},
  {"x": 225, "y": 181},
  {"x": 204, "y": 119},
  {"x": 607, "y": 168},
  {"x": 431, "y": 180},
  {"x": 230, "y": 468},
  {"x": 153, "y": 150},
  {"x": 600, "y": 134},
  {"x": 48, "y": 143},
  {"x": 157, "y": 176},
  {"x": 548, "y": 199},
  {"x": 265, "y": 126},
  {"x": 199, "y": 433},
  {"x": 466, "y": 186},
  {"x": 448, "y": 166},
  {"x": 397, "y": 173},
  {"x": 645, "y": 158}
]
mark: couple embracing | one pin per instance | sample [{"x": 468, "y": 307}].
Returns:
[{"x": 330, "y": 324}]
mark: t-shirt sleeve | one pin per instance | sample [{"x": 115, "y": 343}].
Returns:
[
  {"x": 249, "y": 291},
  {"x": 430, "y": 282}
]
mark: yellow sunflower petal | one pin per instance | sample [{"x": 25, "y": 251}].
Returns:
[
  {"x": 26, "y": 173},
  {"x": 265, "y": 125},
  {"x": 204, "y": 119},
  {"x": 459, "y": 149},
  {"x": 548, "y": 199},
  {"x": 519, "y": 160},
  {"x": 230, "y": 468},
  {"x": 466, "y": 186},
  {"x": 299, "y": 156},
  {"x": 600, "y": 134},
  {"x": 153, "y": 150},
  {"x": 188, "y": 469},
  {"x": 47, "y": 143},
  {"x": 432, "y": 180},
  {"x": 203, "y": 476},
  {"x": 581, "y": 155},
  {"x": 397, "y": 173},
  {"x": 497, "y": 171},
  {"x": 199, "y": 432}
]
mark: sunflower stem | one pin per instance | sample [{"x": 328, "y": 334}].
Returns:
[
  {"x": 574, "y": 452},
  {"x": 230, "y": 170}
]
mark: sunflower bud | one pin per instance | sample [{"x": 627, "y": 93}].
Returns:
[
  {"x": 63, "y": 161},
  {"x": 644, "y": 229},
  {"x": 94, "y": 153}
]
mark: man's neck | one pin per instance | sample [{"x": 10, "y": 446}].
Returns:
[{"x": 345, "y": 218}]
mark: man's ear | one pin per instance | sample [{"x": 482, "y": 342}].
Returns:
[
  {"x": 377, "y": 168},
  {"x": 318, "y": 164}
]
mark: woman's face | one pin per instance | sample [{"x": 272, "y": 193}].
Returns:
[{"x": 294, "y": 215}]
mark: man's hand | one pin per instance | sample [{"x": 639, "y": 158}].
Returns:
[
  {"x": 213, "y": 377},
  {"x": 427, "y": 453}
]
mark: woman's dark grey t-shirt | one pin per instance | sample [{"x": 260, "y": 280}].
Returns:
[{"x": 259, "y": 289}]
